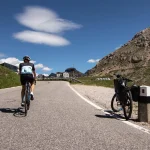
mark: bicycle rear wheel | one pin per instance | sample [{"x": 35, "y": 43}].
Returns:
[
  {"x": 127, "y": 106},
  {"x": 25, "y": 105},
  {"x": 28, "y": 101},
  {"x": 115, "y": 104}
]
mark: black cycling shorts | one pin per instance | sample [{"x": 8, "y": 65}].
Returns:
[{"x": 26, "y": 77}]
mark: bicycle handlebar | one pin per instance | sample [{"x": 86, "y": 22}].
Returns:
[
  {"x": 128, "y": 80},
  {"x": 123, "y": 78}
]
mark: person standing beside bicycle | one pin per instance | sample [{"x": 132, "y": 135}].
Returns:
[{"x": 27, "y": 73}]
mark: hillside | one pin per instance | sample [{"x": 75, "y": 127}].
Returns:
[
  {"x": 8, "y": 78},
  {"x": 131, "y": 60}
]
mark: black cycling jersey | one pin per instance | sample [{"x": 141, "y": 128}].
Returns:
[
  {"x": 26, "y": 72},
  {"x": 26, "y": 68}
]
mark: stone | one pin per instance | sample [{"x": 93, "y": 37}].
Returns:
[{"x": 135, "y": 59}]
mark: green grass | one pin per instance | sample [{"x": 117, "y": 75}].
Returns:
[
  {"x": 8, "y": 78},
  {"x": 93, "y": 81}
]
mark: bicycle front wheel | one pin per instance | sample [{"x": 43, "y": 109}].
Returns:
[
  {"x": 115, "y": 104},
  {"x": 127, "y": 106}
]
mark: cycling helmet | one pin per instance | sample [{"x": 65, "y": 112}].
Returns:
[{"x": 26, "y": 58}]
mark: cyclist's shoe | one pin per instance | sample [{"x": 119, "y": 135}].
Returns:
[
  {"x": 22, "y": 104},
  {"x": 32, "y": 97}
]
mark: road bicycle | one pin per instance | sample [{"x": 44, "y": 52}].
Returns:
[
  {"x": 27, "y": 97},
  {"x": 122, "y": 99}
]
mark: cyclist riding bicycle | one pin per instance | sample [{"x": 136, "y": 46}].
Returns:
[{"x": 27, "y": 73}]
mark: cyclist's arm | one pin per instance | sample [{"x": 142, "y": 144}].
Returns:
[
  {"x": 19, "y": 72},
  {"x": 34, "y": 73}
]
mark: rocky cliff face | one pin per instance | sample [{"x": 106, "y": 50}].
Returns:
[{"x": 130, "y": 59}]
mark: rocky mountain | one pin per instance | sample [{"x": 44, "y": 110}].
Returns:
[
  {"x": 132, "y": 59},
  {"x": 73, "y": 72}
]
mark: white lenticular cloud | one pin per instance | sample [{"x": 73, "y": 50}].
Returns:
[
  {"x": 47, "y": 69},
  {"x": 41, "y": 38},
  {"x": 93, "y": 60},
  {"x": 43, "y": 19}
]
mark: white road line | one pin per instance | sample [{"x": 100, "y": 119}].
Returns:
[{"x": 98, "y": 107}]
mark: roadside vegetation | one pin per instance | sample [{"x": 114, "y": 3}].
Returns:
[
  {"x": 84, "y": 81},
  {"x": 8, "y": 78},
  {"x": 94, "y": 81}
]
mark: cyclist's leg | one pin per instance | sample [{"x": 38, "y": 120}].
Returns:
[
  {"x": 23, "y": 81},
  {"x": 32, "y": 87},
  {"x": 31, "y": 80},
  {"x": 22, "y": 91}
]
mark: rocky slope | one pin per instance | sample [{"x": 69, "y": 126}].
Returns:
[{"x": 132, "y": 59}]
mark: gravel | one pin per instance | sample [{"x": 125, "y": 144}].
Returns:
[{"x": 102, "y": 97}]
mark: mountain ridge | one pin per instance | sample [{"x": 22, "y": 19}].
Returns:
[{"x": 131, "y": 58}]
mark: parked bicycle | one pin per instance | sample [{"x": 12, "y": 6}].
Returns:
[
  {"x": 27, "y": 97},
  {"x": 122, "y": 99}
]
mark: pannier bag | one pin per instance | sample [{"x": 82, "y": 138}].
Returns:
[{"x": 135, "y": 91}]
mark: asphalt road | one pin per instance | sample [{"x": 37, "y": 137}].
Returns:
[{"x": 59, "y": 119}]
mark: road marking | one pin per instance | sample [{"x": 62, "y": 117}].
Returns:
[
  {"x": 97, "y": 107},
  {"x": 107, "y": 113}
]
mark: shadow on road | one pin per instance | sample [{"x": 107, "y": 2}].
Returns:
[
  {"x": 105, "y": 116},
  {"x": 118, "y": 116},
  {"x": 110, "y": 115},
  {"x": 17, "y": 112}
]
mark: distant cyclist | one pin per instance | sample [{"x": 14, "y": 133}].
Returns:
[{"x": 27, "y": 73}]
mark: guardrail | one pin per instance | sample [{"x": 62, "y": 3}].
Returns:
[{"x": 60, "y": 79}]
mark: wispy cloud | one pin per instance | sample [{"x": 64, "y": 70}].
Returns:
[
  {"x": 43, "y": 19},
  {"x": 41, "y": 38},
  {"x": 93, "y": 60},
  {"x": 2, "y": 55},
  {"x": 41, "y": 66},
  {"x": 32, "y": 61},
  {"x": 47, "y": 69}
]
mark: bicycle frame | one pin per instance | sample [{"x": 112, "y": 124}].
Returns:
[
  {"x": 123, "y": 96},
  {"x": 27, "y": 96}
]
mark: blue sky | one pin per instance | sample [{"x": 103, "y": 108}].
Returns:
[{"x": 58, "y": 34}]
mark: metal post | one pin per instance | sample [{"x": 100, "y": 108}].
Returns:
[{"x": 144, "y": 104}]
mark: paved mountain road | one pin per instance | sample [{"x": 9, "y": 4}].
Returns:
[{"x": 60, "y": 120}]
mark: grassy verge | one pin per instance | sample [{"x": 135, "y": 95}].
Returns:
[
  {"x": 8, "y": 78},
  {"x": 93, "y": 81}
]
